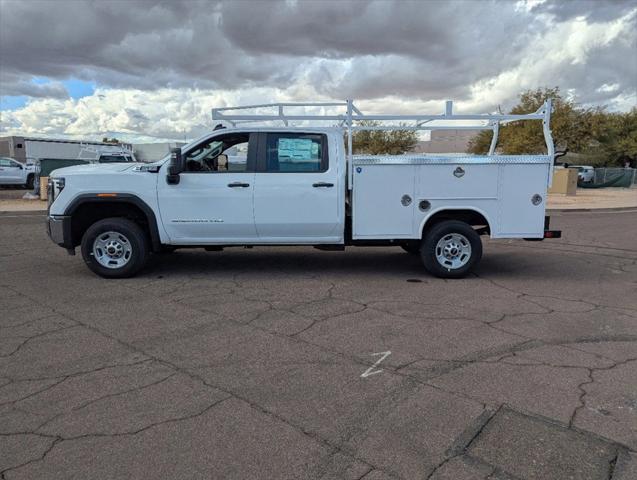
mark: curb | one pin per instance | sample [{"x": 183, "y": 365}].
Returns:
[{"x": 22, "y": 213}]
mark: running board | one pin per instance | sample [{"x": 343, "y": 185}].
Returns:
[{"x": 330, "y": 248}]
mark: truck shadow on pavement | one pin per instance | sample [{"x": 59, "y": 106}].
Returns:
[{"x": 369, "y": 261}]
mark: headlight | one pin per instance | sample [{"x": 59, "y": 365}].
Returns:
[
  {"x": 50, "y": 193},
  {"x": 53, "y": 189}
]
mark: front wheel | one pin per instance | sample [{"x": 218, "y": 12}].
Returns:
[
  {"x": 451, "y": 249},
  {"x": 115, "y": 248}
]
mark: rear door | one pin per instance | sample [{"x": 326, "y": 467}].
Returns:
[{"x": 297, "y": 192}]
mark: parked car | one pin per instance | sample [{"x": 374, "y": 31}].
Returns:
[
  {"x": 13, "y": 172},
  {"x": 585, "y": 173},
  {"x": 299, "y": 186}
]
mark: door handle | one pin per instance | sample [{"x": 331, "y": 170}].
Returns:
[
  {"x": 238, "y": 185},
  {"x": 322, "y": 184}
]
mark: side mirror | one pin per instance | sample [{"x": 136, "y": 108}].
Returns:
[{"x": 175, "y": 167}]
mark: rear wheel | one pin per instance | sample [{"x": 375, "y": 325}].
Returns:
[
  {"x": 115, "y": 248},
  {"x": 451, "y": 249},
  {"x": 30, "y": 182}
]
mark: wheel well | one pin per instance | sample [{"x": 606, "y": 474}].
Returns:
[
  {"x": 87, "y": 213},
  {"x": 472, "y": 217}
]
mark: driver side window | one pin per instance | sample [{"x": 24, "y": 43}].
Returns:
[{"x": 224, "y": 153}]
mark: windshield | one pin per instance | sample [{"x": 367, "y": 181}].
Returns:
[{"x": 115, "y": 159}]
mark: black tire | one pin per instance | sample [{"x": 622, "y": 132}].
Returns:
[
  {"x": 30, "y": 182},
  {"x": 136, "y": 242},
  {"x": 412, "y": 248},
  {"x": 444, "y": 230}
]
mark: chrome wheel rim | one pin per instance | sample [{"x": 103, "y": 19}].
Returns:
[
  {"x": 112, "y": 249},
  {"x": 453, "y": 251}
]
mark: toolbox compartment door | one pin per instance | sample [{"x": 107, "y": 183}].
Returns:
[
  {"x": 518, "y": 215},
  {"x": 383, "y": 201}
]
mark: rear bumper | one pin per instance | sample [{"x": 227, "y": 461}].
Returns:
[
  {"x": 58, "y": 228},
  {"x": 547, "y": 232},
  {"x": 550, "y": 233}
]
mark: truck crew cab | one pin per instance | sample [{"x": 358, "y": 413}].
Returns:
[{"x": 266, "y": 185}]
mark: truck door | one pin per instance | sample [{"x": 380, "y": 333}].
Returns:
[
  {"x": 298, "y": 193},
  {"x": 212, "y": 203}
]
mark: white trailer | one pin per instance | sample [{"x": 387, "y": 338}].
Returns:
[
  {"x": 300, "y": 185},
  {"x": 38, "y": 148}
]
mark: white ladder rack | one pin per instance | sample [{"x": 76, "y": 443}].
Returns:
[{"x": 234, "y": 116}]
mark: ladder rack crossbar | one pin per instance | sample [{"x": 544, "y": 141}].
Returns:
[
  {"x": 217, "y": 115},
  {"x": 284, "y": 104}
]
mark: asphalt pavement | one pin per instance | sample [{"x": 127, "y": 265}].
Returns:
[{"x": 293, "y": 363}]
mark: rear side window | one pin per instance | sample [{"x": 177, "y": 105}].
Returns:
[{"x": 298, "y": 153}]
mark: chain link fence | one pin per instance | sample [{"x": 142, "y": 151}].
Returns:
[{"x": 626, "y": 177}]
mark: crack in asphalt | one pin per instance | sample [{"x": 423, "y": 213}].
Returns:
[
  {"x": 34, "y": 337},
  {"x": 137, "y": 388},
  {"x": 466, "y": 438}
]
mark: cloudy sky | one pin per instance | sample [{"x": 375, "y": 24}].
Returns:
[{"x": 150, "y": 69}]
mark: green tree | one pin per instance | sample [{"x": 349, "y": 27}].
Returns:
[
  {"x": 379, "y": 142},
  {"x": 578, "y": 129},
  {"x": 112, "y": 140},
  {"x": 619, "y": 140}
]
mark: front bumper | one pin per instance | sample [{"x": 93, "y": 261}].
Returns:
[{"x": 58, "y": 227}]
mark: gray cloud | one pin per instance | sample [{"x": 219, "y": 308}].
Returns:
[
  {"x": 19, "y": 86},
  {"x": 366, "y": 49},
  {"x": 594, "y": 10}
]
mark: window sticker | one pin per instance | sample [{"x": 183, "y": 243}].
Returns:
[{"x": 298, "y": 149}]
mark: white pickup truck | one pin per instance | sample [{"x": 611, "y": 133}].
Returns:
[
  {"x": 13, "y": 172},
  {"x": 245, "y": 186}
]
